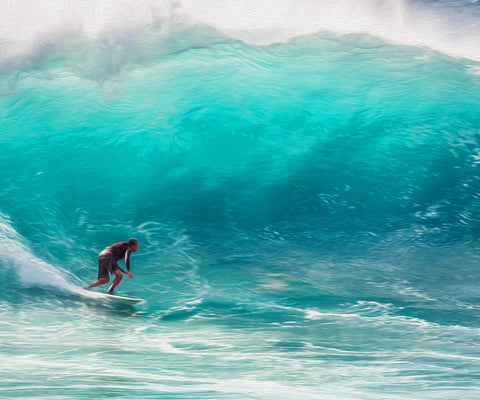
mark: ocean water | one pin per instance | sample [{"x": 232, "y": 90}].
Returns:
[{"x": 303, "y": 179}]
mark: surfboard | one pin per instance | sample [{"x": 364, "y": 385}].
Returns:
[
  {"x": 110, "y": 297},
  {"x": 123, "y": 299}
]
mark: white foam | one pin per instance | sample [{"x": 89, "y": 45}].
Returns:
[
  {"x": 30, "y": 270},
  {"x": 449, "y": 28}
]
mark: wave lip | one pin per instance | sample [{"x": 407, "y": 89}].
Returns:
[{"x": 448, "y": 27}]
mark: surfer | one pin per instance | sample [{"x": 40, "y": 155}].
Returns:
[{"x": 107, "y": 263}]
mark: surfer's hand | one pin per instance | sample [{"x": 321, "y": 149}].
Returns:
[{"x": 130, "y": 275}]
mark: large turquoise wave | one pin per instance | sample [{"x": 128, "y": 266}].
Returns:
[
  {"x": 337, "y": 143},
  {"x": 330, "y": 133}
]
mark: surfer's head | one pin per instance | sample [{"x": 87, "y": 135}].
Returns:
[{"x": 133, "y": 244}]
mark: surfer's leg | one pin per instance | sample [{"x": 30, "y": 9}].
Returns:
[
  {"x": 97, "y": 283},
  {"x": 102, "y": 277},
  {"x": 116, "y": 281}
]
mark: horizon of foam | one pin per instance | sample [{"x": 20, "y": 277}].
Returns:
[{"x": 449, "y": 28}]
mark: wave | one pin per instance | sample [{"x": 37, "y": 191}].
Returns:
[
  {"x": 263, "y": 138},
  {"x": 449, "y": 27}
]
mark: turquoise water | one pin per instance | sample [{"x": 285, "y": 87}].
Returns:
[{"x": 307, "y": 213}]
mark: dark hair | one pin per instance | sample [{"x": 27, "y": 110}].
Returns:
[{"x": 132, "y": 242}]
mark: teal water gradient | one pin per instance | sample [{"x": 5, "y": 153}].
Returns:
[{"x": 307, "y": 215}]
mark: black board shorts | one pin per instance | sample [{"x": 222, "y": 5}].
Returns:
[{"x": 106, "y": 265}]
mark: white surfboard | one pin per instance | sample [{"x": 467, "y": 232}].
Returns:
[
  {"x": 109, "y": 297},
  {"x": 123, "y": 299}
]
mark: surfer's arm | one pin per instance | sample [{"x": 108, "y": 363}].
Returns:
[
  {"x": 130, "y": 275},
  {"x": 127, "y": 264},
  {"x": 127, "y": 260}
]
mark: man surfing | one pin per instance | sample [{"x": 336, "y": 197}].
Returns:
[{"x": 107, "y": 263}]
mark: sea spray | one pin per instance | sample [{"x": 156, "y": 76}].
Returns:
[{"x": 449, "y": 27}]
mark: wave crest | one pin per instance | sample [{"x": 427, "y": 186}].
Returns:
[{"x": 447, "y": 27}]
